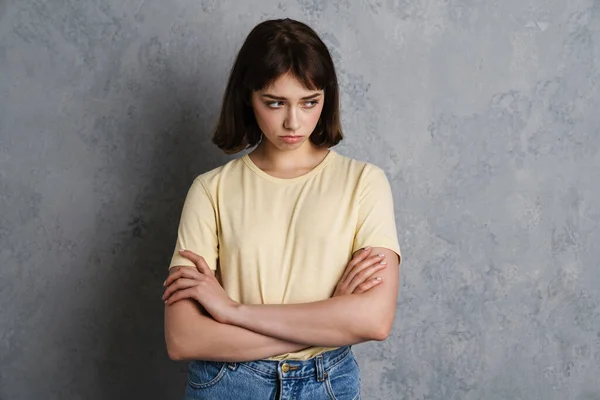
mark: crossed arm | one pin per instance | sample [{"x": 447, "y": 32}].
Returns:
[
  {"x": 192, "y": 334},
  {"x": 223, "y": 330}
]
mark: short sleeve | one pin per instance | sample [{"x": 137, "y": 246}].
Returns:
[
  {"x": 376, "y": 225},
  {"x": 197, "y": 230}
]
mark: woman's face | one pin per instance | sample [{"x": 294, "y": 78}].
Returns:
[{"x": 287, "y": 113}]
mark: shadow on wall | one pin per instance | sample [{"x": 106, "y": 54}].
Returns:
[{"x": 135, "y": 363}]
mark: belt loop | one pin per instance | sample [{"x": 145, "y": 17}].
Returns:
[
  {"x": 232, "y": 365},
  {"x": 319, "y": 368}
]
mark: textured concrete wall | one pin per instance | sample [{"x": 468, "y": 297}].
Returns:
[{"x": 485, "y": 115}]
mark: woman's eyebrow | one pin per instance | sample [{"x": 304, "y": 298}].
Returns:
[{"x": 311, "y": 97}]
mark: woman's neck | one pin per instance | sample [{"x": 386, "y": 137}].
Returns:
[{"x": 287, "y": 164}]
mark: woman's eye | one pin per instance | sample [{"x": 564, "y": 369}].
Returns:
[{"x": 279, "y": 104}]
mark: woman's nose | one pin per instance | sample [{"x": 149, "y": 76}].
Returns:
[{"x": 291, "y": 122}]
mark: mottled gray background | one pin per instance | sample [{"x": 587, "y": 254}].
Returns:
[{"x": 484, "y": 114}]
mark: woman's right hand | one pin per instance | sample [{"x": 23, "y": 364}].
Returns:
[{"x": 360, "y": 274}]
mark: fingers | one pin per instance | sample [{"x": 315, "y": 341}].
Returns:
[
  {"x": 358, "y": 257},
  {"x": 365, "y": 276},
  {"x": 180, "y": 295},
  {"x": 377, "y": 260},
  {"x": 184, "y": 279},
  {"x": 198, "y": 260},
  {"x": 179, "y": 284},
  {"x": 183, "y": 272},
  {"x": 360, "y": 269},
  {"x": 369, "y": 284}
]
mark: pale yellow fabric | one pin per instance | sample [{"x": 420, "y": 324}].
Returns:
[{"x": 284, "y": 241}]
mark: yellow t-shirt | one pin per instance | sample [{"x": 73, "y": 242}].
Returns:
[{"x": 285, "y": 241}]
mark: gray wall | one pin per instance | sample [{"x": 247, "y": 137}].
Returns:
[{"x": 485, "y": 115}]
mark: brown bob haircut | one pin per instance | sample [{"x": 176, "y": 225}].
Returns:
[{"x": 274, "y": 48}]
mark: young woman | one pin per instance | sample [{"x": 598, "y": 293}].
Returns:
[{"x": 293, "y": 247}]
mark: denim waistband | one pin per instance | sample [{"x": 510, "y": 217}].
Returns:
[{"x": 296, "y": 369}]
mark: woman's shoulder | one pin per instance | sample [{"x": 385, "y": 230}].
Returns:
[
  {"x": 351, "y": 165},
  {"x": 216, "y": 174},
  {"x": 365, "y": 175}
]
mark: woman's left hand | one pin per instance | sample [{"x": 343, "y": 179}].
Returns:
[{"x": 201, "y": 285}]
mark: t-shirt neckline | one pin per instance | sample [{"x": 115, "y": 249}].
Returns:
[{"x": 319, "y": 167}]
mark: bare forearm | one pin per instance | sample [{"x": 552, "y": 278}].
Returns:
[
  {"x": 192, "y": 335},
  {"x": 337, "y": 321}
]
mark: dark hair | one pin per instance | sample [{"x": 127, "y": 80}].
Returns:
[{"x": 273, "y": 48}]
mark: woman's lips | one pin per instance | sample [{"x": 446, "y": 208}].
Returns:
[{"x": 291, "y": 139}]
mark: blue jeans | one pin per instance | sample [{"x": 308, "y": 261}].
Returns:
[{"x": 333, "y": 375}]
